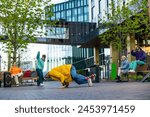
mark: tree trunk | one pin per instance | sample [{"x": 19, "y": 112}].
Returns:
[
  {"x": 149, "y": 9},
  {"x": 14, "y": 56},
  {"x": 9, "y": 59}
]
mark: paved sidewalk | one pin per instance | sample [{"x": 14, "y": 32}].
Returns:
[{"x": 100, "y": 91}]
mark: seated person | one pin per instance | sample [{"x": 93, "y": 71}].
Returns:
[
  {"x": 67, "y": 73},
  {"x": 16, "y": 72},
  {"x": 123, "y": 68},
  {"x": 140, "y": 56}
]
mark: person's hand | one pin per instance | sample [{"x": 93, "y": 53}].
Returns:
[{"x": 134, "y": 49}]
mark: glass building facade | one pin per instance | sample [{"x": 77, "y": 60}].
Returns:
[{"x": 72, "y": 11}]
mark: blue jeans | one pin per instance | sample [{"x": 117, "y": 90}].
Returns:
[
  {"x": 133, "y": 64},
  {"x": 78, "y": 78},
  {"x": 40, "y": 74}
]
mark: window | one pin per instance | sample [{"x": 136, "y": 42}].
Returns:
[
  {"x": 74, "y": 11},
  {"x": 86, "y": 10},
  {"x": 69, "y": 4},
  {"x": 68, "y": 12},
  {"x": 73, "y": 4},
  {"x": 86, "y": 17},
  {"x": 85, "y": 2},
  {"x": 80, "y": 10},
  {"x": 57, "y": 15},
  {"x": 80, "y": 18},
  {"x": 62, "y": 6},
  {"x": 79, "y": 3},
  {"x": 63, "y": 15},
  {"x": 58, "y": 7}
]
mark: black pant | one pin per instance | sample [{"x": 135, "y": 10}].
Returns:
[{"x": 41, "y": 78}]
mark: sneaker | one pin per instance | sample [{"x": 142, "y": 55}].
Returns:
[
  {"x": 17, "y": 85},
  {"x": 65, "y": 84},
  {"x": 90, "y": 82},
  {"x": 41, "y": 84},
  {"x": 92, "y": 76},
  {"x": 132, "y": 71}
]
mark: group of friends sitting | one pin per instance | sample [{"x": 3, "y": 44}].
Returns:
[{"x": 127, "y": 66}]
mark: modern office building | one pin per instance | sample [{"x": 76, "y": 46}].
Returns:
[
  {"x": 90, "y": 11},
  {"x": 76, "y": 11}
]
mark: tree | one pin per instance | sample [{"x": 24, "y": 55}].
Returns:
[
  {"x": 22, "y": 21},
  {"x": 129, "y": 18}
]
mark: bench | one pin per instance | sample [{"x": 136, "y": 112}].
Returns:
[
  {"x": 24, "y": 79},
  {"x": 140, "y": 70}
]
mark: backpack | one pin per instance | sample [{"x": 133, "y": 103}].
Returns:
[{"x": 27, "y": 73}]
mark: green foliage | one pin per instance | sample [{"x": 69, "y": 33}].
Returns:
[
  {"x": 139, "y": 77},
  {"x": 136, "y": 77},
  {"x": 22, "y": 22},
  {"x": 124, "y": 20}
]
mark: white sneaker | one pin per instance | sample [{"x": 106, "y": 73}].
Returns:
[
  {"x": 90, "y": 82},
  {"x": 17, "y": 85},
  {"x": 132, "y": 71},
  {"x": 41, "y": 84},
  {"x": 93, "y": 76}
]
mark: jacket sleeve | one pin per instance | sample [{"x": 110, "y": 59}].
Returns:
[
  {"x": 38, "y": 55},
  {"x": 143, "y": 57},
  {"x": 133, "y": 53}
]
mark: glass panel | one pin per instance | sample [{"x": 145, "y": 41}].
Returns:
[
  {"x": 74, "y": 18},
  {"x": 76, "y": 3},
  {"x": 68, "y": 12},
  {"x": 58, "y": 7},
  {"x": 62, "y": 6},
  {"x": 69, "y": 4},
  {"x": 79, "y": 3},
  {"x": 86, "y": 18},
  {"x": 57, "y": 15},
  {"x": 73, "y": 4},
  {"x": 82, "y": 3},
  {"x": 85, "y": 2},
  {"x": 80, "y": 18},
  {"x": 80, "y": 10},
  {"x": 74, "y": 11},
  {"x": 86, "y": 10},
  {"x": 63, "y": 14}
]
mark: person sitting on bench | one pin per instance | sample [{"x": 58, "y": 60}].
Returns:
[
  {"x": 124, "y": 68},
  {"x": 15, "y": 73},
  {"x": 140, "y": 56}
]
